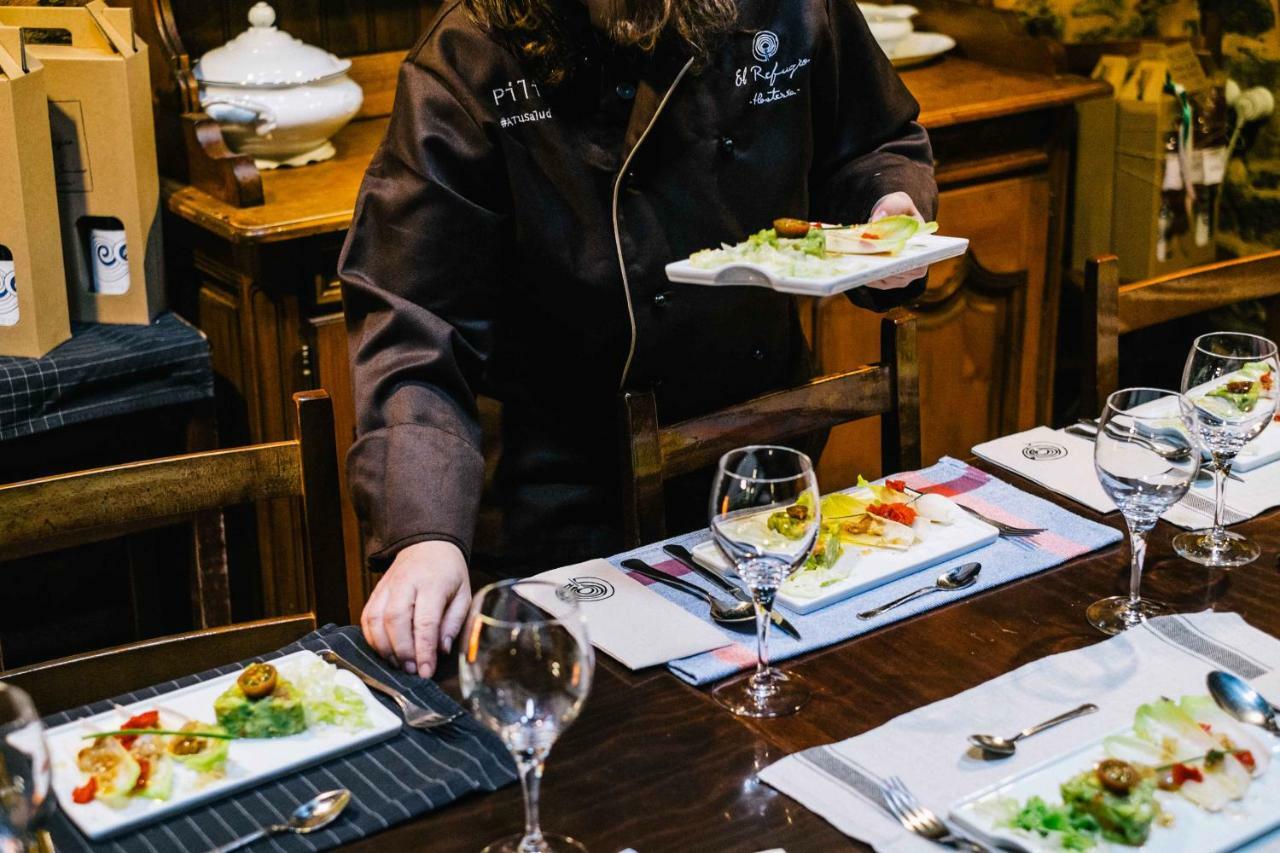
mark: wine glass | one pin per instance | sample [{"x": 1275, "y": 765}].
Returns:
[
  {"x": 525, "y": 667},
  {"x": 1146, "y": 462},
  {"x": 1229, "y": 397},
  {"x": 24, "y": 769},
  {"x": 765, "y": 518}
]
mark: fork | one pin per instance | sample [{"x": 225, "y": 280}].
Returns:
[
  {"x": 1005, "y": 529},
  {"x": 415, "y": 716},
  {"x": 918, "y": 819}
]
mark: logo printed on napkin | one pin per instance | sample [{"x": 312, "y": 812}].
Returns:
[{"x": 625, "y": 619}]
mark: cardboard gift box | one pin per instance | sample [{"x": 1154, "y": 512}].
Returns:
[
  {"x": 33, "y": 290},
  {"x": 108, "y": 189},
  {"x": 1145, "y": 118}
]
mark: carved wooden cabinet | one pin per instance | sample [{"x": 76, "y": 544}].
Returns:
[{"x": 260, "y": 279}]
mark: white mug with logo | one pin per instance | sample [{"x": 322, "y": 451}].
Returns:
[
  {"x": 110, "y": 260},
  {"x": 8, "y": 294}
]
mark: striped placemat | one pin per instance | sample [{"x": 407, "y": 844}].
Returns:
[
  {"x": 410, "y": 774},
  {"x": 1066, "y": 536}
]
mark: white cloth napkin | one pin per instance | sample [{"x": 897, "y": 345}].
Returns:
[
  {"x": 1063, "y": 462},
  {"x": 1054, "y": 459},
  {"x": 628, "y": 621},
  {"x": 1169, "y": 656}
]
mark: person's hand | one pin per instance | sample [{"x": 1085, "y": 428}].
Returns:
[
  {"x": 418, "y": 607},
  {"x": 897, "y": 204}
]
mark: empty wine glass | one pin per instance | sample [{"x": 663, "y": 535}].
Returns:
[
  {"x": 1146, "y": 462},
  {"x": 765, "y": 518},
  {"x": 525, "y": 667},
  {"x": 24, "y": 769},
  {"x": 1229, "y": 398}
]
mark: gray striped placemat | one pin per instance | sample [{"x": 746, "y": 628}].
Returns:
[{"x": 392, "y": 781}]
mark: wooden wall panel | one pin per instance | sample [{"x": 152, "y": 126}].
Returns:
[{"x": 344, "y": 27}]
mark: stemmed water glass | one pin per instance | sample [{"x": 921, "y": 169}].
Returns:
[
  {"x": 1146, "y": 465},
  {"x": 525, "y": 667},
  {"x": 1229, "y": 397},
  {"x": 24, "y": 769},
  {"x": 765, "y": 518}
]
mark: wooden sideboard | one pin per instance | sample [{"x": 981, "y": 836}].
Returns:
[{"x": 261, "y": 282}]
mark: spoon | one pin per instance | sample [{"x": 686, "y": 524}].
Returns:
[
  {"x": 1238, "y": 698},
  {"x": 721, "y": 611},
  {"x": 999, "y": 747},
  {"x": 1165, "y": 451},
  {"x": 316, "y": 813},
  {"x": 949, "y": 581}
]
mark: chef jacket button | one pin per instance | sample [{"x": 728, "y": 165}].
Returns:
[
  {"x": 660, "y": 299},
  {"x": 726, "y": 147},
  {"x": 626, "y": 91},
  {"x": 758, "y": 354}
]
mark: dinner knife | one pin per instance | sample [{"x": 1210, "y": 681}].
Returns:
[{"x": 685, "y": 557}]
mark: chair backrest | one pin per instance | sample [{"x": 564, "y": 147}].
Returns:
[
  {"x": 652, "y": 454},
  {"x": 1112, "y": 309},
  {"x": 47, "y": 514}
]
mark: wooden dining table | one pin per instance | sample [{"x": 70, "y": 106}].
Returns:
[{"x": 655, "y": 764}]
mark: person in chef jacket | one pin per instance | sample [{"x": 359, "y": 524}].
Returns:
[{"x": 545, "y": 160}]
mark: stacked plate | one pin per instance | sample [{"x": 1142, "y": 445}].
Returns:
[{"x": 896, "y": 34}]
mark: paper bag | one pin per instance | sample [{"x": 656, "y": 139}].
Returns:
[
  {"x": 33, "y": 292},
  {"x": 99, "y": 89}
]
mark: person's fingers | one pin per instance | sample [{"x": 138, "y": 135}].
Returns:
[
  {"x": 454, "y": 616},
  {"x": 397, "y": 621},
  {"x": 427, "y": 611},
  {"x": 901, "y": 280},
  {"x": 371, "y": 622}
]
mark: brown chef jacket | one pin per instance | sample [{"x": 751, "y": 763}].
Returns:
[{"x": 510, "y": 239}]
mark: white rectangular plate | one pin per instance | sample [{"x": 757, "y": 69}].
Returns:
[
  {"x": 1263, "y": 450},
  {"x": 1193, "y": 828},
  {"x": 250, "y": 761},
  {"x": 919, "y": 252},
  {"x": 879, "y": 566}
]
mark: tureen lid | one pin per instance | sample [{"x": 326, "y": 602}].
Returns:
[{"x": 265, "y": 56}]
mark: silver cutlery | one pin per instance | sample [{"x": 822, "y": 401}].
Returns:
[
  {"x": 316, "y": 813},
  {"x": 1088, "y": 428},
  {"x": 1238, "y": 698},
  {"x": 959, "y": 577},
  {"x": 1004, "y": 747},
  {"x": 685, "y": 557},
  {"x": 721, "y": 611},
  {"x": 415, "y": 716},
  {"x": 1005, "y": 529},
  {"x": 918, "y": 819}
]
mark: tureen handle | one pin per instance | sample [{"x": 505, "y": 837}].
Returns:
[
  {"x": 241, "y": 111},
  {"x": 262, "y": 15}
]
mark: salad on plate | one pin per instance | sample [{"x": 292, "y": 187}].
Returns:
[{"x": 799, "y": 249}]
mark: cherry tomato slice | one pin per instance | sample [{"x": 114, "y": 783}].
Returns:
[{"x": 258, "y": 680}]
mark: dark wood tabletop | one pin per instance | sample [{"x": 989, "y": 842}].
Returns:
[{"x": 656, "y": 765}]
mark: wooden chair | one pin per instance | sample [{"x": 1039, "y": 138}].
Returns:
[
  {"x": 42, "y": 515},
  {"x": 1112, "y": 309},
  {"x": 652, "y": 454}
]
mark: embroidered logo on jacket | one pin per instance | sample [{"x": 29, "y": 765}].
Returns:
[
  {"x": 768, "y": 73},
  {"x": 523, "y": 95}
]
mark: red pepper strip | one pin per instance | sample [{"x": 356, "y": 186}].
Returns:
[
  {"x": 144, "y": 773},
  {"x": 1182, "y": 773},
  {"x": 896, "y": 485},
  {"x": 145, "y": 720},
  {"x": 86, "y": 792},
  {"x": 1246, "y": 758}
]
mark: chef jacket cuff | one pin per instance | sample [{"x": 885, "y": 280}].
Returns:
[{"x": 414, "y": 483}]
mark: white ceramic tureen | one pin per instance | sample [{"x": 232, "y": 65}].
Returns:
[{"x": 276, "y": 98}]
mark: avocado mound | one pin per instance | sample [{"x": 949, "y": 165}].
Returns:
[{"x": 277, "y": 715}]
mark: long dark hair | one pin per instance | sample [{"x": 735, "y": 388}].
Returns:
[{"x": 535, "y": 31}]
